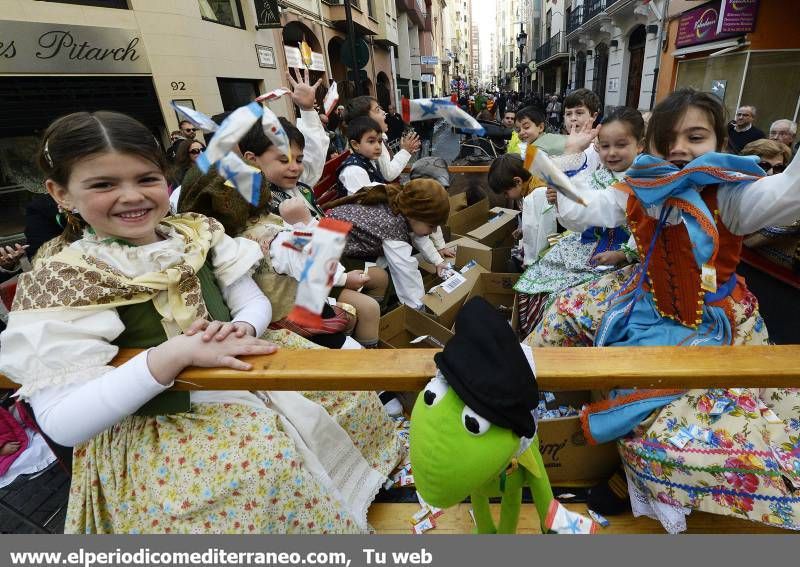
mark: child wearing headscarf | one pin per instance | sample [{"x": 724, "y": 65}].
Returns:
[{"x": 384, "y": 217}]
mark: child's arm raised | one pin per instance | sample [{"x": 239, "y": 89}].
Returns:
[
  {"x": 317, "y": 141},
  {"x": 771, "y": 201}
]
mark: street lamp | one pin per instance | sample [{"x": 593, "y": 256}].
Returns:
[{"x": 522, "y": 41}]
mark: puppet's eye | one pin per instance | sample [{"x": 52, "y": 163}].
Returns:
[
  {"x": 473, "y": 423},
  {"x": 434, "y": 392}
]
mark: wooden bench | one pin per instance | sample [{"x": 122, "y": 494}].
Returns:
[{"x": 556, "y": 369}]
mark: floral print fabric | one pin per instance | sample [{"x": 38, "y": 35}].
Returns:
[
  {"x": 744, "y": 461},
  {"x": 223, "y": 468}
]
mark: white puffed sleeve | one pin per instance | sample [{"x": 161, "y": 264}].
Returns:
[
  {"x": 538, "y": 222},
  {"x": 604, "y": 208},
  {"x": 391, "y": 168},
  {"x": 316, "y": 150},
  {"x": 770, "y": 201},
  {"x": 404, "y": 269},
  {"x": 233, "y": 258},
  {"x": 61, "y": 360}
]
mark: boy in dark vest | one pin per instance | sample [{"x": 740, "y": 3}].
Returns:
[{"x": 359, "y": 170}]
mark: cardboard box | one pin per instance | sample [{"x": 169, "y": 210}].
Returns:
[
  {"x": 493, "y": 259},
  {"x": 469, "y": 218},
  {"x": 496, "y": 229},
  {"x": 568, "y": 457},
  {"x": 445, "y": 306},
  {"x": 498, "y": 290},
  {"x": 398, "y": 328}
]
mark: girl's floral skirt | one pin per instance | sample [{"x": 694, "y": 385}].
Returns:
[
  {"x": 223, "y": 468},
  {"x": 742, "y": 456}
]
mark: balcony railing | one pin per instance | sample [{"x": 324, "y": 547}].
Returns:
[
  {"x": 575, "y": 19},
  {"x": 552, "y": 47},
  {"x": 354, "y": 3},
  {"x": 594, "y": 7}
]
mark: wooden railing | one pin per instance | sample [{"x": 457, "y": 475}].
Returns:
[{"x": 556, "y": 369}]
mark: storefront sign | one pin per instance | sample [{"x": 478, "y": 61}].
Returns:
[
  {"x": 267, "y": 14},
  {"x": 716, "y": 20},
  {"x": 266, "y": 57},
  {"x": 429, "y": 60},
  {"x": 27, "y": 47},
  {"x": 295, "y": 59},
  {"x": 427, "y": 78},
  {"x": 737, "y": 16}
]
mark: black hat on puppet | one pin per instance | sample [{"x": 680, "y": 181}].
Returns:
[{"x": 486, "y": 367}]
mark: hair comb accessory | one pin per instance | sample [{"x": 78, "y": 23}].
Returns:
[{"x": 46, "y": 153}]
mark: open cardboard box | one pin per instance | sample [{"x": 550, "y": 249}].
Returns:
[
  {"x": 568, "y": 456},
  {"x": 498, "y": 290},
  {"x": 496, "y": 228},
  {"x": 401, "y": 327},
  {"x": 493, "y": 259},
  {"x": 468, "y": 218},
  {"x": 445, "y": 306}
]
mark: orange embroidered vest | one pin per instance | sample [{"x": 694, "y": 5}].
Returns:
[{"x": 673, "y": 273}]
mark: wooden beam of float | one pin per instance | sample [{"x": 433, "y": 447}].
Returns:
[
  {"x": 461, "y": 169},
  {"x": 556, "y": 369}
]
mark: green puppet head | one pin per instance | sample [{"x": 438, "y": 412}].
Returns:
[
  {"x": 453, "y": 449},
  {"x": 476, "y": 414}
]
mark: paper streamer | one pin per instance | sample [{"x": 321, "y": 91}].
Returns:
[
  {"x": 537, "y": 162},
  {"x": 197, "y": 118},
  {"x": 228, "y": 134},
  {"x": 432, "y": 108},
  {"x": 246, "y": 178},
  {"x": 273, "y": 129},
  {"x": 273, "y": 95},
  {"x": 316, "y": 281}
]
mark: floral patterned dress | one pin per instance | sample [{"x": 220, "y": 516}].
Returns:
[
  {"x": 238, "y": 462},
  {"x": 566, "y": 263},
  {"x": 744, "y": 461}
]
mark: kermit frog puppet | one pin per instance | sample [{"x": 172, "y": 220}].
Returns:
[{"x": 473, "y": 432}]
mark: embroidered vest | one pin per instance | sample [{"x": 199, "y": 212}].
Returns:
[
  {"x": 674, "y": 276},
  {"x": 358, "y": 160},
  {"x": 278, "y": 196},
  {"x": 372, "y": 224}
]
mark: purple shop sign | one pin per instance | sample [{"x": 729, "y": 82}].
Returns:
[{"x": 716, "y": 20}]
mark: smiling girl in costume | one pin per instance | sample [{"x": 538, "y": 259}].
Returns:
[
  {"x": 147, "y": 460},
  {"x": 725, "y": 451}
]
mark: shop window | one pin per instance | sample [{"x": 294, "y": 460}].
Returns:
[
  {"x": 701, "y": 74},
  {"x": 19, "y": 179},
  {"x": 771, "y": 86},
  {"x": 121, "y": 4},
  {"x": 225, "y": 12}
]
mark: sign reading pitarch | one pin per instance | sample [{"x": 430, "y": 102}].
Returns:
[{"x": 30, "y": 47}]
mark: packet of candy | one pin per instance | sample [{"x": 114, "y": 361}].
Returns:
[
  {"x": 246, "y": 178},
  {"x": 330, "y": 100},
  {"x": 319, "y": 271},
  {"x": 273, "y": 94},
  {"x": 424, "y": 526},
  {"x": 563, "y": 521},
  {"x": 229, "y": 133},
  {"x": 275, "y": 132},
  {"x": 197, "y": 118}
]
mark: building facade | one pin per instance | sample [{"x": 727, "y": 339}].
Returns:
[
  {"x": 755, "y": 60},
  {"x": 609, "y": 46}
]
